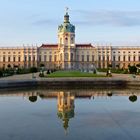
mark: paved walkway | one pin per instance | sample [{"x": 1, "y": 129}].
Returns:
[
  {"x": 29, "y": 76},
  {"x": 21, "y": 77}
]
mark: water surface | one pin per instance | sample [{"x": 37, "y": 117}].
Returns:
[{"x": 70, "y": 115}]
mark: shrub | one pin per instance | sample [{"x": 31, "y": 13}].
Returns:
[
  {"x": 48, "y": 71},
  {"x": 41, "y": 74},
  {"x": 33, "y": 70},
  {"x": 132, "y": 69},
  {"x": 32, "y": 98},
  {"x": 1, "y": 73},
  {"x": 133, "y": 98}
]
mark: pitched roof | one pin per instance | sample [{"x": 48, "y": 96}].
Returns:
[
  {"x": 84, "y": 45},
  {"x": 56, "y": 45},
  {"x": 49, "y": 46}
]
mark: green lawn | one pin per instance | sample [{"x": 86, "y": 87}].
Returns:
[{"x": 73, "y": 74}]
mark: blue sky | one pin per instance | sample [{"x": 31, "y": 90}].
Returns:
[{"x": 97, "y": 21}]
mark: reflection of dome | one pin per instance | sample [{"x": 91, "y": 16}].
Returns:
[
  {"x": 65, "y": 116},
  {"x": 32, "y": 98},
  {"x": 133, "y": 98},
  {"x": 66, "y": 123}
]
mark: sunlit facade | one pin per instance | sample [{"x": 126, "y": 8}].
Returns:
[{"x": 68, "y": 55}]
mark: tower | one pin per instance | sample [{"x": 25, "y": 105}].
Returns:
[{"x": 66, "y": 44}]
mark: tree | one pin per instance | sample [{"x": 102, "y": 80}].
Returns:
[
  {"x": 109, "y": 65},
  {"x": 42, "y": 70},
  {"x": 133, "y": 98},
  {"x": 33, "y": 98},
  {"x": 118, "y": 66},
  {"x": 42, "y": 65},
  {"x": 138, "y": 65},
  {"x": 33, "y": 70},
  {"x": 1, "y": 73},
  {"x": 133, "y": 69}
]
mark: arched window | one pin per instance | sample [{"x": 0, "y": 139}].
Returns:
[
  {"x": 71, "y": 56},
  {"x": 72, "y": 40},
  {"x": 66, "y": 40},
  {"x": 129, "y": 59},
  {"x": 60, "y": 40},
  {"x": 66, "y": 56},
  {"x": 134, "y": 58}
]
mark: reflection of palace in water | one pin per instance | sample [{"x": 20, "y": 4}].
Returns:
[
  {"x": 65, "y": 107},
  {"x": 65, "y": 99}
]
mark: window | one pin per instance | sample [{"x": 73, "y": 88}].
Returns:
[
  {"x": 82, "y": 58},
  {"x": 50, "y": 58},
  {"x": 72, "y": 40},
  {"x": 129, "y": 58},
  {"x": 60, "y": 40},
  {"x": 55, "y": 58},
  {"x": 19, "y": 59},
  {"x": 29, "y": 58},
  {"x": 77, "y": 58},
  {"x": 119, "y": 58},
  {"x": 61, "y": 57},
  {"x": 107, "y": 58},
  {"x": 25, "y": 58},
  {"x": 92, "y": 58},
  {"x": 87, "y": 58},
  {"x": 99, "y": 58},
  {"x": 123, "y": 58},
  {"x": 134, "y": 58},
  {"x": 66, "y": 57},
  {"x": 103, "y": 58},
  {"x": 14, "y": 59},
  {"x": 71, "y": 56},
  {"x": 9, "y": 59},
  {"x": 45, "y": 58},
  {"x": 114, "y": 58},
  {"x": 33, "y": 58},
  {"x": 66, "y": 40},
  {"x": 39, "y": 57},
  {"x": 3, "y": 58}
]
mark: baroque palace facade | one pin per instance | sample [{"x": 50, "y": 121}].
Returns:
[{"x": 69, "y": 55}]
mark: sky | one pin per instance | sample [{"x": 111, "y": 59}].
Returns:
[{"x": 100, "y": 22}]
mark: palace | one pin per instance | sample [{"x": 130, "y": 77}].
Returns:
[{"x": 68, "y": 55}]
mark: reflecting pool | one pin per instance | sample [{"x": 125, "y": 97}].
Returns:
[{"x": 70, "y": 115}]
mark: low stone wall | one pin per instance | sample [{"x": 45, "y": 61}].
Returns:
[
  {"x": 72, "y": 83},
  {"x": 17, "y": 83}
]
